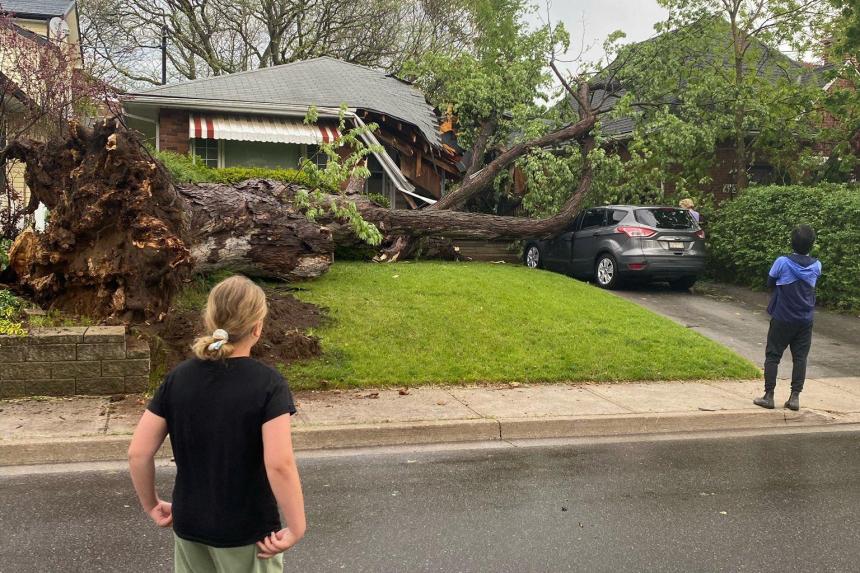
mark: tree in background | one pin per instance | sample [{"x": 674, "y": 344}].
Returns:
[
  {"x": 716, "y": 76},
  {"x": 839, "y": 46},
  {"x": 226, "y": 36}
]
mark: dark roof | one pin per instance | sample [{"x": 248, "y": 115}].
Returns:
[
  {"x": 323, "y": 82},
  {"x": 36, "y": 9}
]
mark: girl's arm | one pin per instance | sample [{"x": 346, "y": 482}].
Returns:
[
  {"x": 283, "y": 477},
  {"x": 147, "y": 439}
]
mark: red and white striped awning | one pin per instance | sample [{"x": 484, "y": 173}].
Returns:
[{"x": 270, "y": 129}]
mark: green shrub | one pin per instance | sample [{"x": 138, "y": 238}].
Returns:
[
  {"x": 5, "y": 245},
  {"x": 10, "y": 308},
  {"x": 747, "y": 234},
  {"x": 185, "y": 170}
]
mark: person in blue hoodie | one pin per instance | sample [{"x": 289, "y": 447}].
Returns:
[{"x": 791, "y": 308}]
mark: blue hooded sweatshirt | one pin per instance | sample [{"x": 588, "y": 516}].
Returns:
[{"x": 793, "y": 280}]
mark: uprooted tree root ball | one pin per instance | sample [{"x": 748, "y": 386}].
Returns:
[
  {"x": 122, "y": 238},
  {"x": 117, "y": 240}
]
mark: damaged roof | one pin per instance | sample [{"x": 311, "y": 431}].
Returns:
[{"x": 323, "y": 82}]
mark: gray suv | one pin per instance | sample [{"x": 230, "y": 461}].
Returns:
[{"x": 624, "y": 242}]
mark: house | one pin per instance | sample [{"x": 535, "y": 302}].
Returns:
[
  {"x": 43, "y": 18},
  {"x": 255, "y": 118},
  {"x": 32, "y": 28}
]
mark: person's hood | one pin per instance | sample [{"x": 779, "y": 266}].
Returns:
[{"x": 803, "y": 267}]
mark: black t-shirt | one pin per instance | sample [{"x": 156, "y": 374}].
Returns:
[{"x": 215, "y": 411}]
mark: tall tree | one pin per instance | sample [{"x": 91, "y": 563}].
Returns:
[
  {"x": 718, "y": 73},
  {"x": 213, "y": 37}
]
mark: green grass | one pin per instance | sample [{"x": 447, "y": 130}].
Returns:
[{"x": 448, "y": 323}]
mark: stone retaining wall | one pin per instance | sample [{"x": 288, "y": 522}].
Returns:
[{"x": 89, "y": 360}]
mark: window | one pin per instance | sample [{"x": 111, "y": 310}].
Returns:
[
  {"x": 574, "y": 225},
  {"x": 261, "y": 154},
  {"x": 207, "y": 151},
  {"x": 617, "y": 217},
  {"x": 593, "y": 218},
  {"x": 378, "y": 180},
  {"x": 665, "y": 218},
  {"x": 316, "y": 156}
]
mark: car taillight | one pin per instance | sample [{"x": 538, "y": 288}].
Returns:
[
  {"x": 636, "y": 231},
  {"x": 700, "y": 233}
]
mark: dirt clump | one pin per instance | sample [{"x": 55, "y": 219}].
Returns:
[{"x": 285, "y": 338}]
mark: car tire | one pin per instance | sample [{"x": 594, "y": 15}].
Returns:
[
  {"x": 606, "y": 272},
  {"x": 683, "y": 284},
  {"x": 533, "y": 257}
]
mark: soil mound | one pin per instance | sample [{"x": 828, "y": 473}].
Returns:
[{"x": 285, "y": 338}]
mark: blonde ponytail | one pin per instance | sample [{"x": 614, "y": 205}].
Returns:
[{"x": 233, "y": 309}]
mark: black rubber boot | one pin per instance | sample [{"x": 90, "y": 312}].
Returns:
[
  {"x": 765, "y": 401},
  {"x": 793, "y": 401}
]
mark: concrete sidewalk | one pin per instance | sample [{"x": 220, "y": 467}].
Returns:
[{"x": 97, "y": 429}]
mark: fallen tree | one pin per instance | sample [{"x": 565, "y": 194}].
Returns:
[{"x": 123, "y": 237}]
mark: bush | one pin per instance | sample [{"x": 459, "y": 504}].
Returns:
[
  {"x": 747, "y": 234},
  {"x": 10, "y": 307},
  {"x": 184, "y": 171}
]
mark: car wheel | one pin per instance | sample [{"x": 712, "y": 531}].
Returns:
[
  {"x": 682, "y": 284},
  {"x": 606, "y": 272},
  {"x": 532, "y": 257}
]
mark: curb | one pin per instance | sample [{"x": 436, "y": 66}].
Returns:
[{"x": 307, "y": 438}]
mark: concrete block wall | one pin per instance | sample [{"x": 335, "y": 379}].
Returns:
[{"x": 87, "y": 360}]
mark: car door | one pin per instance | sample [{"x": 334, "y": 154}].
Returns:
[
  {"x": 585, "y": 241},
  {"x": 560, "y": 247}
]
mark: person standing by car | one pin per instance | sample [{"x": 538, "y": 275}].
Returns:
[
  {"x": 691, "y": 207},
  {"x": 792, "y": 308}
]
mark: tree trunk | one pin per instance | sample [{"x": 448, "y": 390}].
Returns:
[{"x": 123, "y": 238}]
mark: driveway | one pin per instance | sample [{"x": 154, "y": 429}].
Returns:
[{"x": 737, "y": 318}]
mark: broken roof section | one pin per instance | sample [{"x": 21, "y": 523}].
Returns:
[{"x": 321, "y": 82}]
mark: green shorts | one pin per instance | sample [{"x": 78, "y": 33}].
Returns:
[{"x": 193, "y": 557}]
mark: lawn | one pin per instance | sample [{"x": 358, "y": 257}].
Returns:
[{"x": 448, "y": 323}]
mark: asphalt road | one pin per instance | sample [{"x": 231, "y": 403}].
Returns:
[
  {"x": 737, "y": 318},
  {"x": 778, "y": 503}
]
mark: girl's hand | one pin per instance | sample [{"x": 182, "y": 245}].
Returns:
[
  {"x": 162, "y": 514},
  {"x": 277, "y": 542}
]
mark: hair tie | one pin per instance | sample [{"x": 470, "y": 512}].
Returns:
[{"x": 220, "y": 335}]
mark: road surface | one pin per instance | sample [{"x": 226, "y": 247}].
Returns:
[{"x": 768, "y": 503}]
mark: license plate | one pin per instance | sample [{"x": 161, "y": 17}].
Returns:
[{"x": 674, "y": 245}]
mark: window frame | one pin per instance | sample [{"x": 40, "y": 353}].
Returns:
[
  {"x": 590, "y": 211},
  {"x": 219, "y": 152}
]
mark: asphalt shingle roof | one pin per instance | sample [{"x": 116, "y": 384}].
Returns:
[
  {"x": 323, "y": 82},
  {"x": 47, "y": 8}
]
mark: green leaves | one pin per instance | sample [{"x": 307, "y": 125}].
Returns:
[{"x": 506, "y": 68}]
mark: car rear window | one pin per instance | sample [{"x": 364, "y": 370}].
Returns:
[{"x": 665, "y": 218}]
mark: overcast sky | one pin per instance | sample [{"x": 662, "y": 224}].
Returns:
[{"x": 602, "y": 17}]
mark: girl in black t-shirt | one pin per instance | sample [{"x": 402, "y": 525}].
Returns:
[{"x": 228, "y": 417}]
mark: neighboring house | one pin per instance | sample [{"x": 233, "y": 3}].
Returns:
[
  {"x": 255, "y": 118},
  {"x": 40, "y": 22},
  {"x": 36, "y": 16}
]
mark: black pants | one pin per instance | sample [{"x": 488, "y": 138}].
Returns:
[{"x": 781, "y": 335}]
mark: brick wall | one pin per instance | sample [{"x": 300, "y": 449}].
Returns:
[
  {"x": 94, "y": 360},
  {"x": 173, "y": 130}
]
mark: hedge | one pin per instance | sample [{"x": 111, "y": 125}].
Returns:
[
  {"x": 748, "y": 233},
  {"x": 184, "y": 171}
]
